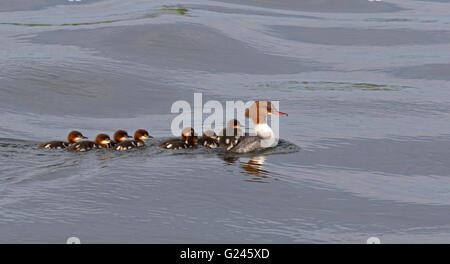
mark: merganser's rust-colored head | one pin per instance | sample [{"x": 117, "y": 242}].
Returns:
[
  {"x": 259, "y": 111},
  {"x": 141, "y": 134},
  {"x": 75, "y": 136},
  {"x": 189, "y": 136},
  {"x": 209, "y": 134},
  {"x": 102, "y": 139},
  {"x": 120, "y": 135}
]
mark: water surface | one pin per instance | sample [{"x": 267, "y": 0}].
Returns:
[{"x": 364, "y": 150}]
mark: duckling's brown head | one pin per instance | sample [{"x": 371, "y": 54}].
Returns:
[
  {"x": 75, "y": 136},
  {"x": 120, "y": 136},
  {"x": 189, "y": 136},
  {"x": 209, "y": 134},
  {"x": 141, "y": 135},
  {"x": 102, "y": 139}
]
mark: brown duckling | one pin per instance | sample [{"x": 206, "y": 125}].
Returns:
[
  {"x": 209, "y": 139},
  {"x": 231, "y": 135},
  {"x": 119, "y": 136},
  {"x": 188, "y": 139},
  {"x": 72, "y": 138}
]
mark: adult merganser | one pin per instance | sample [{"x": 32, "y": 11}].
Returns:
[
  {"x": 139, "y": 136},
  {"x": 72, "y": 138},
  {"x": 209, "y": 139},
  {"x": 231, "y": 135},
  {"x": 188, "y": 139},
  {"x": 101, "y": 141},
  {"x": 265, "y": 137}
]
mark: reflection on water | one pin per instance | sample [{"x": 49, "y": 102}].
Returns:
[
  {"x": 252, "y": 167},
  {"x": 230, "y": 159}
]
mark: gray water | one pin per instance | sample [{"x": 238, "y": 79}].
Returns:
[{"x": 365, "y": 149}]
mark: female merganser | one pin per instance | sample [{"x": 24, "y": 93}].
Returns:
[
  {"x": 101, "y": 141},
  {"x": 265, "y": 138},
  {"x": 72, "y": 138},
  {"x": 188, "y": 139},
  {"x": 231, "y": 135},
  {"x": 119, "y": 136},
  {"x": 209, "y": 139},
  {"x": 139, "y": 136}
]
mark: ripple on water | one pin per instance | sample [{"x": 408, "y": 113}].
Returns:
[
  {"x": 154, "y": 13},
  {"x": 22, "y": 5},
  {"x": 26, "y": 163},
  {"x": 294, "y": 85}
]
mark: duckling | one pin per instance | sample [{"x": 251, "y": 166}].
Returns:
[
  {"x": 119, "y": 136},
  {"x": 209, "y": 139},
  {"x": 188, "y": 139},
  {"x": 72, "y": 138},
  {"x": 231, "y": 135}
]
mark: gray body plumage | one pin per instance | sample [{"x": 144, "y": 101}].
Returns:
[{"x": 247, "y": 144}]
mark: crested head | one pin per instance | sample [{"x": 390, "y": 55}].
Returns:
[
  {"x": 102, "y": 139},
  {"x": 75, "y": 136},
  {"x": 141, "y": 134},
  {"x": 120, "y": 135},
  {"x": 259, "y": 111}
]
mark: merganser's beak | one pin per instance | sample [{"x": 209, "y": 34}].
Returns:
[
  {"x": 278, "y": 113},
  {"x": 83, "y": 137},
  {"x": 146, "y": 137}
]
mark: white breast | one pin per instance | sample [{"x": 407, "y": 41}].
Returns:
[{"x": 266, "y": 134}]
